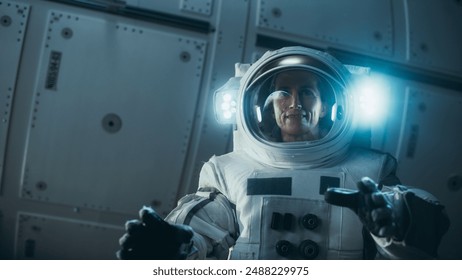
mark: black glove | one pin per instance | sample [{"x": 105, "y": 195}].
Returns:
[
  {"x": 374, "y": 209},
  {"x": 155, "y": 239}
]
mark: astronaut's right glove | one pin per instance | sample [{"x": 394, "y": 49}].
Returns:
[{"x": 153, "y": 238}]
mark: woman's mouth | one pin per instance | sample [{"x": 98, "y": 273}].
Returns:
[{"x": 294, "y": 114}]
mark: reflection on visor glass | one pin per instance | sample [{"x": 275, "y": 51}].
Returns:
[{"x": 292, "y": 106}]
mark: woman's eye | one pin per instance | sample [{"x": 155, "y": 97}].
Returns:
[
  {"x": 307, "y": 92},
  {"x": 282, "y": 94}
]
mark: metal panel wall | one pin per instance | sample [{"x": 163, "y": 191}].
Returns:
[
  {"x": 43, "y": 237},
  {"x": 435, "y": 35},
  {"x": 13, "y": 22},
  {"x": 430, "y": 154},
  {"x": 203, "y": 7},
  {"x": 360, "y": 25},
  {"x": 193, "y": 8},
  {"x": 109, "y": 123},
  {"x": 112, "y": 112}
]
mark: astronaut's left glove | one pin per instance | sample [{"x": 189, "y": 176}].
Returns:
[
  {"x": 376, "y": 210},
  {"x": 398, "y": 217}
]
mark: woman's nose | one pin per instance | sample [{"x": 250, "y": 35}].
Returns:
[{"x": 295, "y": 101}]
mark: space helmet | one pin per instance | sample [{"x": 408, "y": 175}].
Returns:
[{"x": 294, "y": 109}]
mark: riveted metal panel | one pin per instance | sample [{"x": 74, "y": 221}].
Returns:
[
  {"x": 13, "y": 21},
  {"x": 44, "y": 237},
  {"x": 359, "y": 25},
  {"x": 203, "y": 7},
  {"x": 112, "y": 114},
  {"x": 435, "y": 34},
  {"x": 190, "y": 8},
  {"x": 430, "y": 154}
]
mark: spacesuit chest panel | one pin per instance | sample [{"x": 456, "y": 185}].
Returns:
[{"x": 291, "y": 220}]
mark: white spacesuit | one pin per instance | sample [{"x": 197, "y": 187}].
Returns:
[{"x": 293, "y": 153}]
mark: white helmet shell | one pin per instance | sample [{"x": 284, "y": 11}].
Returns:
[{"x": 301, "y": 154}]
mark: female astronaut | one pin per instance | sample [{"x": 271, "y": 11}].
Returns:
[{"x": 294, "y": 186}]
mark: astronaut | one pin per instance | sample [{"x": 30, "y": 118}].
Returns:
[{"x": 295, "y": 185}]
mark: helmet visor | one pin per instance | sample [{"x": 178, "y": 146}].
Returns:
[{"x": 291, "y": 105}]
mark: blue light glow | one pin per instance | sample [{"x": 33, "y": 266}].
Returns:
[{"x": 372, "y": 97}]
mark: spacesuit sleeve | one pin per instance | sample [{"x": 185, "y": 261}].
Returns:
[{"x": 212, "y": 218}]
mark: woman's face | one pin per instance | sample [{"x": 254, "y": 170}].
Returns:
[{"x": 297, "y": 106}]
